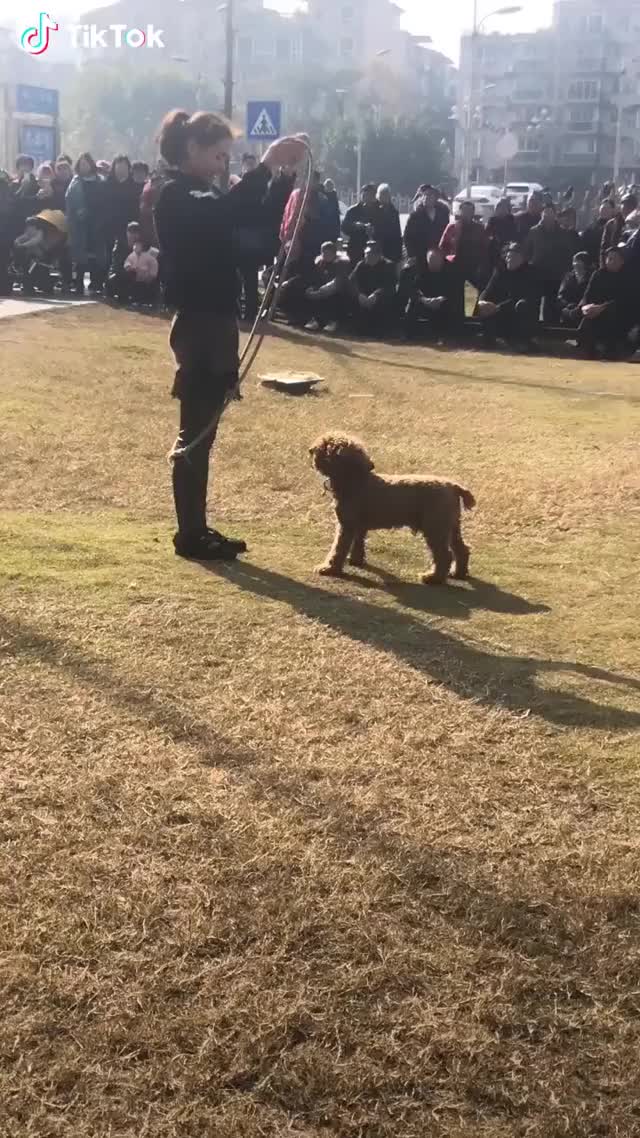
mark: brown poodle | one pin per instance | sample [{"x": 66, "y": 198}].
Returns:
[{"x": 366, "y": 501}]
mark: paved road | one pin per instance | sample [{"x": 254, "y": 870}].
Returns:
[{"x": 20, "y": 306}]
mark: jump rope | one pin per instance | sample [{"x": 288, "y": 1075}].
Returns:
[{"x": 265, "y": 314}]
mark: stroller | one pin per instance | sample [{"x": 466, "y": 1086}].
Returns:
[{"x": 37, "y": 252}]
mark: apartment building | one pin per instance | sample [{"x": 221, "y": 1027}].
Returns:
[{"x": 559, "y": 91}]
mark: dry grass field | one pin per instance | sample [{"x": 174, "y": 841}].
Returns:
[{"x": 290, "y": 856}]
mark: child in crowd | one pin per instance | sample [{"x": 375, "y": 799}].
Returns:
[
  {"x": 38, "y": 250},
  {"x": 141, "y": 267}
]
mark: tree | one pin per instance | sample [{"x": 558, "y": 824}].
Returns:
[{"x": 403, "y": 153}]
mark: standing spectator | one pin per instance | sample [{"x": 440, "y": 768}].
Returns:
[
  {"x": 361, "y": 223},
  {"x": 149, "y": 197},
  {"x": 122, "y": 205},
  {"x": 606, "y": 310},
  {"x": 87, "y": 221},
  {"x": 591, "y": 241},
  {"x": 6, "y": 232},
  {"x": 331, "y": 195},
  {"x": 139, "y": 173},
  {"x": 508, "y": 306},
  {"x": 501, "y": 230},
  {"x": 548, "y": 250},
  {"x": 426, "y": 224},
  {"x": 313, "y": 232},
  {"x": 612, "y": 232},
  {"x": 389, "y": 228},
  {"x": 466, "y": 245},
  {"x": 25, "y": 191},
  {"x": 63, "y": 173},
  {"x": 374, "y": 287},
  {"x": 249, "y": 164},
  {"x": 250, "y": 252},
  {"x": 568, "y": 221},
  {"x": 572, "y": 290},
  {"x": 527, "y": 218}
]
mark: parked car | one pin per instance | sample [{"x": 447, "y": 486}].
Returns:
[
  {"x": 519, "y": 192},
  {"x": 484, "y": 199}
]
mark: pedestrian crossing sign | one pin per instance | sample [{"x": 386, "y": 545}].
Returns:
[{"x": 264, "y": 120}]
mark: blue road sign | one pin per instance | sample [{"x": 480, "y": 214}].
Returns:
[
  {"x": 36, "y": 100},
  {"x": 264, "y": 120}
]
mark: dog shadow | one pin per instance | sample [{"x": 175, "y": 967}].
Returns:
[
  {"x": 455, "y": 600},
  {"x": 493, "y": 679}
]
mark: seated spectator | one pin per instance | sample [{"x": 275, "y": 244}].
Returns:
[
  {"x": 389, "y": 230},
  {"x": 508, "y": 306},
  {"x": 326, "y": 294},
  {"x": 501, "y": 230},
  {"x": 466, "y": 245},
  {"x": 426, "y": 224},
  {"x": 119, "y": 281},
  {"x": 606, "y": 310},
  {"x": 361, "y": 224},
  {"x": 572, "y": 290},
  {"x": 548, "y": 250},
  {"x": 591, "y": 237},
  {"x": 36, "y": 251},
  {"x": 431, "y": 297},
  {"x": 121, "y": 205},
  {"x": 374, "y": 288},
  {"x": 333, "y": 204},
  {"x": 139, "y": 173},
  {"x": 141, "y": 267}
]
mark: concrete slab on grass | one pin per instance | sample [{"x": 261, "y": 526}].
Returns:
[{"x": 27, "y": 306}]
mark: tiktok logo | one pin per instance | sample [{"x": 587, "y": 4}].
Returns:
[{"x": 36, "y": 40}]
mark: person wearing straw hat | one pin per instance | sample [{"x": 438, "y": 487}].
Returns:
[{"x": 196, "y": 224}]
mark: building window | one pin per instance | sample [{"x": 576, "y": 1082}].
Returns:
[
  {"x": 347, "y": 13},
  {"x": 283, "y": 50},
  {"x": 583, "y": 89},
  {"x": 529, "y": 143},
  {"x": 346, "y": 47},
  {"x": 581, "y": 146},
  {"x": 582, "y": 118}
]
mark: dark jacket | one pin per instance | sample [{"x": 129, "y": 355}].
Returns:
[
  {"x": 259, "y": 241},
  {"x": 549, "y": 249},
  {"x": 421, "y": 281},
  {"x": 571, "y": 290},
  {"x": 512, "y": 285},
  {"x": 369, "y": 278},
  {"x": 333, "y": 213},
  {"x": 501, "y": 231},
  {"x": 355, "y": 225},
  {"x": 611, "y": 235},
  {"x": 25, "y": 193},
  {"x": 389, "y": 232},
  {"x": 324, "y": 272},
  {"x": 122, "y": 205},
  {"x": 196, "y": 226},
  {"x": 467, "y": 244},
  {"x": 86, "y": 220},
  {"x": 608, "y": 288},
  {"x": 424, "y": 230},
  {"x": 591, "y": 239},
  {"x": 524, "y": 222}
]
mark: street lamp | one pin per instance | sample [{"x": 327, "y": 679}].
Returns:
[{"x": 510, "y": 10}]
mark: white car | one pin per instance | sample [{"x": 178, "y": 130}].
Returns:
[
  {"x": 484, "y": 199},
  {"x": 519, "y": 192}
]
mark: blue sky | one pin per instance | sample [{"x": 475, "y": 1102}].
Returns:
[{"x": 443, "y": 22}]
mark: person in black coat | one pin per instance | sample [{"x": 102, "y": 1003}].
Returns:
[
  {"x": 508, "y": 306},
  {"x": 527, "y": 218},
  {"x": 606, "y": 309},
  {"x": 431, "y": 297},
  {"x": 389, "y": 230},
  {"x": 122, "y": 205},
  {"x": 501, "y": 230},
  {"x": 591, "y": 236},
  {"x": 331, "y": 194},
  {"x": 195, "y": 227},
  {"x": 373, "y": 284},
  {"x": 6, "y": 232},
  {"x": 426, "y": 224},
  {"x": 25, "y": 191},
  {"x": 573, "y": 288},
  {"x": 361, "y": 223}
]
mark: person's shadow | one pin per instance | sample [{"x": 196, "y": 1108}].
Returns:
[{"x": 491, "y": 678}]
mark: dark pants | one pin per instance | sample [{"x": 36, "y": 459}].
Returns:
[
  {"x": 96, "y": 277},
  {"x": 205, "y": 347},
  {"x": 331, "y": 308},
  {"x": 515, "y": 321},
  {"x": 5, "y": 257},
  {"x": 549, "y": 293},
  {"x": 249, "y": 270},
  {"x": 571, "y": 316},
  {"x": 608, "y": 329},
  {"x": 434, "y": 323}
]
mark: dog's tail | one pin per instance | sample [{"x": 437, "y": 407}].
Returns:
[{"x": 466, "y": 497}]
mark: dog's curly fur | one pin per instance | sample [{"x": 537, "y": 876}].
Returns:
[{"x": 366, "y": 501}]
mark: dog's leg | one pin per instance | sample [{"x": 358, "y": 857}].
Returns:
[
  {"x": 357, "y": 556},
  {"x": 334, "y": 564},
  {"x": 460, "y": 552},
  {"x": 441, "y": 560}
]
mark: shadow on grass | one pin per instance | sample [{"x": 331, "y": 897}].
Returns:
[
  {"x": 345, "y": 348},
  {"x": 492, "y": 679},
  {"x": 456, "y": 601}
]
